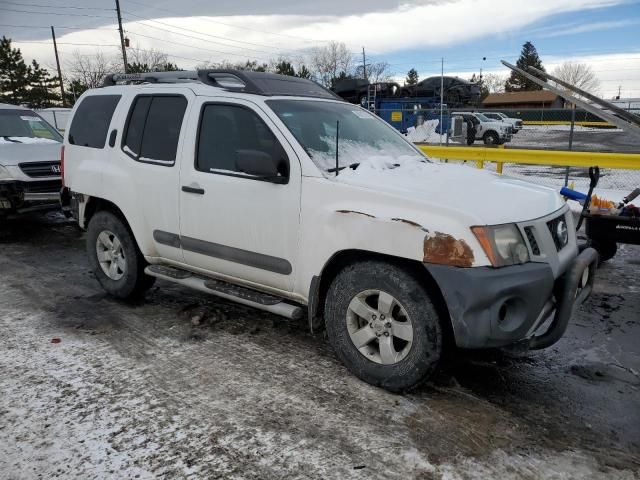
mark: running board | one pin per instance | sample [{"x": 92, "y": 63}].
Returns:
[{"x": 228, "y": 291}]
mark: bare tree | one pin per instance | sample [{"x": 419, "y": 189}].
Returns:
[
  {"x": 329, "y": 61},
  {"x": 154, "y": 60},
  {"x": 376, "y": 72},
  {"x": 90, "y": 70},
  {"x": 579, "y": 74},
  {"x": 493, "y": 82}
]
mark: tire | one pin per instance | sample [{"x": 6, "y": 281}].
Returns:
[
  {"x": 127, "y": 279},
  {"x": 606, "y": 250},
  {"x": 491, "y": 138},
  {"x": 363, "y": 101},
  {"x": 414, "y": 361}
]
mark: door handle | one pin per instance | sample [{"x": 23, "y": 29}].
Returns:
[{"x": 196, "y": 190}]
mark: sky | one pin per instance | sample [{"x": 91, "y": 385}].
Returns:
[{"x": 468, "y": 35}]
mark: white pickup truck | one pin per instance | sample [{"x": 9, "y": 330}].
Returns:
[
  {"x": 516, "y": 123},
  {"x": 491, "y": 132},
  {"x": 271, "y": 192}
]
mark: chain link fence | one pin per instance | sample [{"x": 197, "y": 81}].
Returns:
[{"x": 551, "y": 129}]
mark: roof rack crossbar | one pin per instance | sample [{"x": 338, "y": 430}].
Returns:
[{"x": 259, "y": 83}]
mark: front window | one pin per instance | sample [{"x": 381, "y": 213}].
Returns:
[
  {"x": 25, "y": 126},
  {"x": 482, "y": 117},
  {"x": 362, "y": 137}
]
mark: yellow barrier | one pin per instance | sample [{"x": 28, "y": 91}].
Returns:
[
  {"x": 623, "y": 161},
  {"x": 567, "y": 122}
]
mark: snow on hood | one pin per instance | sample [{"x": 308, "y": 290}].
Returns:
[
  {"x": 491, "y": 198},
  {"x": 14, "y": 153}
]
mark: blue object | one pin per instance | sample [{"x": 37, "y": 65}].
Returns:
[{"x": 572, "y": 194}]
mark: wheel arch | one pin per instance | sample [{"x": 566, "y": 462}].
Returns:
[{"x": 338, "y": 261}]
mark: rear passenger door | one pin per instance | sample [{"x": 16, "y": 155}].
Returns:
[
  {"x": 232, "y": 223},
  {"x": 150, "y": 143}
]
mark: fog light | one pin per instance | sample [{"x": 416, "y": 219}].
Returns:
[{"x": 562, "y": 232}]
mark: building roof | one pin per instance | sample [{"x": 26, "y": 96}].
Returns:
[{"x": 535, "y": 96}]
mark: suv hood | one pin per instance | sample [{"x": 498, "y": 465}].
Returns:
[
  {"x": 12, "y": 153},
  {"x": 489, "y": 198}
]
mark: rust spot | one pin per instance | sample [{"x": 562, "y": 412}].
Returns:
[
  {"x": 410, "y": 222},
  {"x": 355, "y": 212},
  {"x": 443, "y": 249}
]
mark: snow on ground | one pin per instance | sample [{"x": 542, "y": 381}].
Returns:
[{"x": 567, "y": 128}]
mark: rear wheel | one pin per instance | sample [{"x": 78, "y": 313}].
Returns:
[
  {"x": 115, "y": 257},
  {"x": 383, "y": 326}
]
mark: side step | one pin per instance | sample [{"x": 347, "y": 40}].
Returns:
[{"x": 242, "y": 295}]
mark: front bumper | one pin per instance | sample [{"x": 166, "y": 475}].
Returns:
[
  {"x": 22, "y": 197},
  {"x": 492, "y": 307}
]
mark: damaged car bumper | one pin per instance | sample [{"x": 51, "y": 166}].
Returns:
[
  {"x": 22, "y": 197},
  {"x": 492, "y": 307}
]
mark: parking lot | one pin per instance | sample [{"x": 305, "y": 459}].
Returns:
[{"x": 183, "y": 385}]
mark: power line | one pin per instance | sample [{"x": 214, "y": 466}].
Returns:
[
  {"x": 22, "y": 4},
  {"x": 187, "y": 45},
  {"x": 201, "y": 33},
  {"x": 68, "y": 43},
  {"x": 230, "y": 25},
  {"x": 57, "y": 26},
  {"x": 57, "y": 14}
]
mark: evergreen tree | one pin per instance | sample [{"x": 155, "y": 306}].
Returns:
[
  {"x": 43, "y": 88},
  {"x": 285, "y": 68},
  {"x": 412, "y": 77},
  {"x": 303, "y": 72},
  {"x": 528, "y": 58},
  {"x": 73, "y": 90},
  {"x": 137, "y": 67},
  {"x": 14, "y": 74},
  {"x": 341, "y": 76}
]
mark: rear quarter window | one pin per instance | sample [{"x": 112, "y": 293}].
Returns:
[{"x": 91, "y": 121}]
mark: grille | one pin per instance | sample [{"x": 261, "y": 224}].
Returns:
[
  {"x": 553, "y": 224},
  {"x": 47, "y": 186},
  {"x": 533, "y": 243},
  {"x": 41, "y": 169}
]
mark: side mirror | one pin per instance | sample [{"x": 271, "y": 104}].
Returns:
[{"x": 260, "y": 164}]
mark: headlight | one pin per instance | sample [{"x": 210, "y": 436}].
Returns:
[
  {"x": 4, "y": 174},
  {"x": 503, "y": 244}
]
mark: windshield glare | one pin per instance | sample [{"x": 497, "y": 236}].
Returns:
[
  {"x": 362, "y": 136},
  {"x": 482, "y": 117},
  {"x": 25, "y": 124}
]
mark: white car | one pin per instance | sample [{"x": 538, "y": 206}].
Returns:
[
  {"x": 29, "y": 162},
  {"x": 516, "y": 123},
  {"x": 491, "y": 132},
  {"x": 269, "y": 191}
]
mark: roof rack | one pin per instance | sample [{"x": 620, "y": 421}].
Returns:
[{"x": 259, "y": 83}]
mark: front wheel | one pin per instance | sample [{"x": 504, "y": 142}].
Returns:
[
  {"x": 115, "y": 258},
  {"x": 491, "y": 138},
  {"x": 383, "y": 326}
]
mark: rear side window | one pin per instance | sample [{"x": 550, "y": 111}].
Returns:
[
  {"x": 225, "y": 130},
  {"x": 91, "y": 121},
  {"x": 153, "y": 128}
]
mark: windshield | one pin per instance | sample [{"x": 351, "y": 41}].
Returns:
[
  {"x": 25, "y": 126},
  {"x": 493, "y": 116},
  {"x": 482, "y": 117},
  {"x": 363, "y": 137}
]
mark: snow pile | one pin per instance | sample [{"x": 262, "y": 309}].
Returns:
[{"x": 426, "y": 133}]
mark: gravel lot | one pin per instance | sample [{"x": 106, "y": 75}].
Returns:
[{"x": 96, "y": 388}]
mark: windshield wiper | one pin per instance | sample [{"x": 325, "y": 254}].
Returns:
[
  {"x": 353, "y": 166},
  {"x": 9, "y": 139}
]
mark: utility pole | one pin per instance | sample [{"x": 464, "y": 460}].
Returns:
[
  {"x": 364, "y": 64},
  {"x": 124, "y": 50},
  {"x": 55, "y": 49},
  {"x": 441, "y": 95}
]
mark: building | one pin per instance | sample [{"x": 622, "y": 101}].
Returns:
[{"x": 530, "y": 99}]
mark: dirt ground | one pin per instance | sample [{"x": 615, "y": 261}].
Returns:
[{"x": 91, "y": 387}]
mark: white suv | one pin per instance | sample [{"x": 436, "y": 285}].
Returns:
[
  {"x": 29, "y": 162},
  {"x": 270, "y": 191}
]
